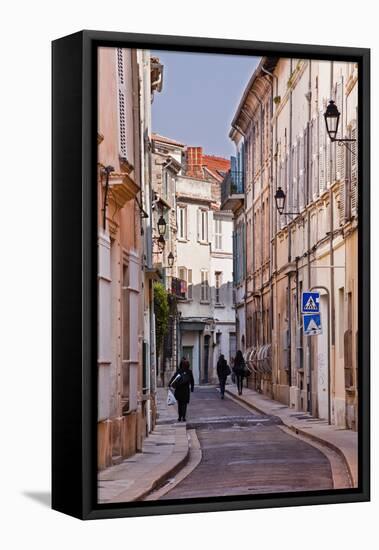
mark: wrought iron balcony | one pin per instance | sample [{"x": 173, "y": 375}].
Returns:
[{"x": 232, "y": 190}]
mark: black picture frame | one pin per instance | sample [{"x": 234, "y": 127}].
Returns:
[{"x": 74, "y": 392}]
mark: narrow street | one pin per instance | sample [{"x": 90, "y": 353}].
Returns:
[{"x": 246, "y": 453}]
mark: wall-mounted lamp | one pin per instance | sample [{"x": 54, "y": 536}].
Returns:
[
  {"x": 280, "y": 201},
  {"x": 170, "y": 259},
  {"x": 106, "y": 170},
  {"x": 161, "y": 243},
  {"x": 161, "y": 226},
  {"x": 332, "y": 118}
]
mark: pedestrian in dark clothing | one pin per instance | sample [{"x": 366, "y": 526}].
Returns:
[
  {"x": 223, "y": 371},
  {"x": 183, "y": 383},
  {"x": 239, "y": 370}
]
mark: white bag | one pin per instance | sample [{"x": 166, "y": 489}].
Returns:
[{"x": 170, "y": 398}]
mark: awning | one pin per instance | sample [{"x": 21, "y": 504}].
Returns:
[
  {"x": 192, "y": 326},
  {"x": 259, "y": 359}
]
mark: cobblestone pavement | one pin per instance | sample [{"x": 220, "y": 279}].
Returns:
[{"x": 247, "y": 453}]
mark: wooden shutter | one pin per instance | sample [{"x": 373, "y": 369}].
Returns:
[
  {"x": 301, "y": 156},
  {"x": 354, "y": 171},
  {"x": 189, "y": 284},
  {"x": 234, "y": 257},
  {"x": 281, "y": 184},
  {"x": 322, "y": 153},
  {"x": 121, "y": 85},
  {"x": 295, "y": 179},
  {"x": 314, "y": 159},
  {"x": 340, "y": 148}
]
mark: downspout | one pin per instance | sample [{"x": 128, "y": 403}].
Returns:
[
  {"x": 273, "y": 211},
  {"x": 270, "y": 212},
  {"x": 289, "y": 236},
  {"x": 261, "y": 187},
  {"x": 331, "y": 253},
  {"x": 308, "y": 197},
  {"x": 238, "y": 129}
]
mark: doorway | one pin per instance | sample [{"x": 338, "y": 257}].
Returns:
[
  {"x": 322, "y": 361},
  {"x": 188, "y": 352}
]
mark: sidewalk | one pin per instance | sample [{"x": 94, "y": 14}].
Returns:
[
  {"x": 344, "y": 442},
  {"x": 164, "y": 452}
]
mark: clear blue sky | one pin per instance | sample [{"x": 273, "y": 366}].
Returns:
[{"x": 199, "y": 98}]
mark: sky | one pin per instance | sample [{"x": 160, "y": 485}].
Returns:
[{"x": 200, "y": 96}]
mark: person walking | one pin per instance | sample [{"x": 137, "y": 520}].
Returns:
[
  {"x": 223, "y": 371},
  {"x": 183, "y": 383},
  {"x": 239, "y": 370}
]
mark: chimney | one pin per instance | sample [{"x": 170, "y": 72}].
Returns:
[{"x": 194, "y": 162}]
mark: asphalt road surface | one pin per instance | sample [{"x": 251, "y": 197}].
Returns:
[{"x": 246, "y": 453}]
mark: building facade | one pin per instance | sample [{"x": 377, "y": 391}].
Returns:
[
  {"x": 125, "y": 330},
  {"x": 204, "y": 262},
  {"x": 315, "y": 246},
  {"x": 279, "y": 130},
  {"x": 167, "y": 158}
]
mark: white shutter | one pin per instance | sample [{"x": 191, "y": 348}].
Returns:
[
  {"x": 340, "y": 149},
  {"x": 121, "y": 102},
  {"x": 295, "y": 178},
  {"x": 354, "y": 171},
  {"x": 189, "y": 284},
  {"x": 322, "y": 153},
  {"x": 313, "y": 152},
  {"x": 198, "y": 221},
  {"x": 301, "y": 155},
  {"x": 342, "y": 188}
]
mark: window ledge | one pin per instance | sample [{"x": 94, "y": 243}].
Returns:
[{"x": 205, "y": 302}]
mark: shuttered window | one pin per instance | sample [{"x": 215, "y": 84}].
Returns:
[
  {"x": 182, "y": 222},
  {"x": 301, "y": 183},
  {"x": 314, "y": 159},
  {"x": 353, "y": 171},
  {"x": 204, "y": 297},
  {"x": 218, "y": 234},
  {"x": 189, "y": 284},
  {"x": 218, "y": 282},
  {"x": 322, "y": 153},
  {"x": 121, "y": 85},
  {"x": 202, "y": 225}
]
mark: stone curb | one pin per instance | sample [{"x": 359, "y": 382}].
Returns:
[
  {"x": 161, "y": 473},
  {"x": 297, "y": 429}
]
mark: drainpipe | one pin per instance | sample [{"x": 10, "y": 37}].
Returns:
[
  {"x": 273, "y": 211},
  {"x": 238, "y": 129},
  {"x": 261, "y": 185},
  {"x": 271, "y": 228},
  {"x": 331, "y": 253},
  {"x": 308, "y": 198},
  {"x": 290, "y": 182}
]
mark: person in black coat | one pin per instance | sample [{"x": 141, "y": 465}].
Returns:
[
  {"x": 239, "y": 370},
  {"x": 183, "y": 383},
  {"x": 223, "y": 371}
]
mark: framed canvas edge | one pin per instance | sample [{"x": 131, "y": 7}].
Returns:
[{"x": 84, "y": 379}]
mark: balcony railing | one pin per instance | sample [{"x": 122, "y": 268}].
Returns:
[{"x": 232, "y": 190}]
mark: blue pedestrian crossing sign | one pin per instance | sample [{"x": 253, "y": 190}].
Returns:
[
  {"x": 310, "y": 302},
  {"x": 312, "y": 324}
]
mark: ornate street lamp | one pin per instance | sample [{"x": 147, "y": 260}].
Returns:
[
  {"x": 280, "y": 200},
  {"x": 161, "y": 226},
  {"x": 161, "y": 243},
  {"x": 170, "y": 259},
  {"x": 332, "y": 118}
]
